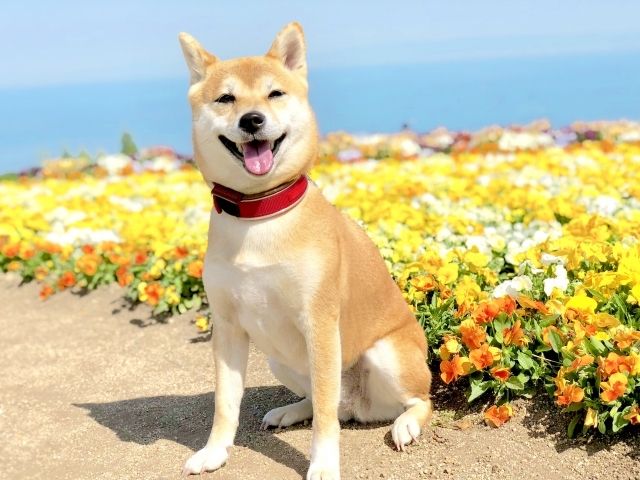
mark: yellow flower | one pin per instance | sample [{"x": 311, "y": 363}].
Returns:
[
  {"x": 157, "y": 268},
  {"x": 202, "y": 323},
  {"x": 475, "y": 258},
  {"x": 142, "y": 291},
  {"x": 172, "y": 295},
  {"x": 635, "y": 293},
  {"x": 467, "y": 291},
  {"x": 582, "y": 302},
  {"x": 447, "y": 274},
  {"x": 449, "y": 347},
  {"x": 591, "y": 418}
]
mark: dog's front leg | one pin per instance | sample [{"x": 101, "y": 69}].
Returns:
[
  {"x": 231, "y": 350},
  {"x": 325, "y": 364}
]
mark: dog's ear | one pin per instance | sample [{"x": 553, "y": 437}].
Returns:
[
  {"x": 289, "y": 47},
  {"x": 197, "y": 58}
]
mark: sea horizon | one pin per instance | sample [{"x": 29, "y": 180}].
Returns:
[{"x": 44, "y": 121}]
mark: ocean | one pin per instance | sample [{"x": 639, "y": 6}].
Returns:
[{"x": 41, "y": 122}]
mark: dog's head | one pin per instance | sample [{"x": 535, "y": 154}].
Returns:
[{"x": 253, "y": 128}]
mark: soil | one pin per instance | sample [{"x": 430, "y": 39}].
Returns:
[{"x": 91, "y": 388}]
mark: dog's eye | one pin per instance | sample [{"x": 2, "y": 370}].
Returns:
[
  {"x": 276, "y": 93},
  {"x": 226, "y": 98}
]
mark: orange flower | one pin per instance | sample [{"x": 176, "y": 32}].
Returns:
[
  {"x": 194, "y": 269},
  {"x": 117, "y": 259},
  {"x": 88, "y": 249},
  {"x": 615, "y": 363},
  {"x": 481, "y": 357},
  {"x": 633, "y": 416},
  {"x": 424, "y": 283},
  {"x": 181, "y": 252},
  {"x": 50, "y": 248},
  {"x": 496, "y": 416},
  {"x": 580, "y": 362},
  {"x": 46, "y": 292},
  {"x": 614, "y": 388},
  {"x": 140, "y": 257},
  {"x": 501, "y": 373},
  {"x": 88, "y": 264},
  {"x": 66, "y": 280},
  {"x": 485, "y": 312},
  {"x": 14, "y": 265},
  {"x": 532, "y": 304},
  {"x": 506, "y": 305},
  {"x": 154, "y": 293},
  {"x": 27, "y": 253},
  {"x": 450, "y": 370},
  {"x": 41, "y": 272},
  {"x": 472, "y": 335},
  {"x": 515, "y": 335},
  {"x": 461, "y": 311},
  {"x": 568, "y": 394},
  {"x": 626, "y": 338},
  {"x": 124, "y": 276},
  {"x": 11, "y": 250}
]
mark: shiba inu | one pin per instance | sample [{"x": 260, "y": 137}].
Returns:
[{"x": 287, "y": 270}]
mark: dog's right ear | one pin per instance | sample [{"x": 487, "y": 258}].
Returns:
[{"x": 197, "y": 58}]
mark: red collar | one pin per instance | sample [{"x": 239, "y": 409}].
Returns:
[{"x": 260, "y": 205}]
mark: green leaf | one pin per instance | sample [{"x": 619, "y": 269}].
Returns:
[
  {"x": 574, "y": 407},
  {"x": 597, "y": 295},
  {"x": 514, "y": 383},
  {"x": 197, "y": 302},
  {"x": 619, "y": 422},
  {"x": 556, "y": 341},
  {"x": 499, "y": 324},
  {"x": 602, "y": 427},
  {"x": 598, "y": 345},
  {"x": 572, "y": 426},
  {"x": 525, "y": 361},
  {"x": 477, "y": 389}
]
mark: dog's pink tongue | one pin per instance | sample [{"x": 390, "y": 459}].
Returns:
[{"x": 258, "y": 158}]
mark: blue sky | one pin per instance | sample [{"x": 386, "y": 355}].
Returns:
[{"x": 64, "y": 42}]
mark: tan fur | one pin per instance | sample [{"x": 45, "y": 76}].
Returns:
[{"x": 307, "y": 286}]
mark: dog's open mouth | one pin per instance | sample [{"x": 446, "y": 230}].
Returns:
[{"x": 256, "y": 155}]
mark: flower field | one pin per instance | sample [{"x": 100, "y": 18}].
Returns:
[{"x": 517, "y": 249}]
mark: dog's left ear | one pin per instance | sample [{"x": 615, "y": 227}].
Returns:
[{"x": 289, "y": 47}]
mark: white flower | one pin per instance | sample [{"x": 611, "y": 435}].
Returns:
[
  {"x": 513, "y": 287},
  {"x": 560, "y": 281},
  {"x": 82, "y": 236},
  {"x": 114, "y": 164},
  {"x": 61, "y": 217},
  {"x": 133, "y": 204},
  {"x": 548, "y": 259}
]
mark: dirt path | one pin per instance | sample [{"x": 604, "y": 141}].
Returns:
[{"x": 87, "y": 390}]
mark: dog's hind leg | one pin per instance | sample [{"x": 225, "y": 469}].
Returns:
[
  {"x": 398, "y": 384},
  {"x": 296, "y": 412}
]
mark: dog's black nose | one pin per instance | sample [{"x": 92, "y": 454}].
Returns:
[{"x": 251, "y": 122}]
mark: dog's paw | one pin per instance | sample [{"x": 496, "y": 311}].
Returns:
[
  {"x": 318, "y": 471},
  {"x": 288, "y": 415},
  {"x": 206, "y": 460},
  {"x": 405, "y": 430}
]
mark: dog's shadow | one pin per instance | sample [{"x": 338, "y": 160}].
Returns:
[{"x": 186, "y": 419}]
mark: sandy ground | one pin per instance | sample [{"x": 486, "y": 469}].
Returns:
[{"x": 91, "y": 389}]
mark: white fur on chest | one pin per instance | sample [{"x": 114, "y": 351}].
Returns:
[{"x": 266, "y": 294}]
